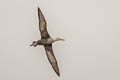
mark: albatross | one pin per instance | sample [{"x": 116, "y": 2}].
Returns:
[{"x": 47, "y": 41}]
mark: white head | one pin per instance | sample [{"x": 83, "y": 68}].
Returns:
[{"x": 58, "y": 39}]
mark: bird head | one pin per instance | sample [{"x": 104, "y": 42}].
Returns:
[{"x": 58, "y": 39}]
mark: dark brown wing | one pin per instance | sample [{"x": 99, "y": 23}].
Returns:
[
  {"x": 42, "y": 25},
  {"x": 51, "y": 58}
]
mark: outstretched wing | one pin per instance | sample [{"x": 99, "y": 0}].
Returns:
[
  {"x": 42, "y": 25},
  {"x": 51, "y": 58}
]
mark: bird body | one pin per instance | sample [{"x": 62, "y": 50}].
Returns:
[{"x": 47, "y": 41}]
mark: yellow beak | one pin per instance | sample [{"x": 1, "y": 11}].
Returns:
[{"x": 62, "y": 39}]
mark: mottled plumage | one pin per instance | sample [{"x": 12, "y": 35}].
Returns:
[
  {"x": 46, "y": 41},
  {"x": 42, "y": 25}
]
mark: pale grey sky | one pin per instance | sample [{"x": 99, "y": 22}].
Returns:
[{"x": 91, "y": 29}]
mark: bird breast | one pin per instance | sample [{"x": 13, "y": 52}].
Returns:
[{"x": 47, "y": 41}]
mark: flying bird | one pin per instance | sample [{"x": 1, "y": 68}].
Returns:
[{"x": 47, "y": 41}]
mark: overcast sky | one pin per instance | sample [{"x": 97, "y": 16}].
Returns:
[{"x": 91, "y": 29}]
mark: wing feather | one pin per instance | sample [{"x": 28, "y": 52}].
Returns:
[
  {"x": 42, "y": 25},
  {"x": 51, "y": 58}
]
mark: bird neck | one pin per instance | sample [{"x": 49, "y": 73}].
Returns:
[{"x": 55, "y": 39}]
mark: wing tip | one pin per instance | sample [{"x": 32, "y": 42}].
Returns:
[
  {"x": 58, "y": 74},
  {"x": 38, "y": 8}
]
